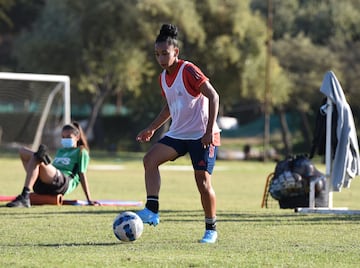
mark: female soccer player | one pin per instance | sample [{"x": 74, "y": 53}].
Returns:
[
  {"x": 192, "y": 104},
  {"x": 63, "y": 175}
]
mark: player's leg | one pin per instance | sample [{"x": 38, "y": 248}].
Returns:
[
  {"x": 157, "y": 155},
  {"x": 203, "y": 160},
  {"x": 41, "y": 154},
  {"x": 28, "y": 161},
  {"x": 35, "y": 169},
  {"x": 208, "y": 201},
  {"x": 207, "y": 193},
  {"x": 25, "y": 155}
]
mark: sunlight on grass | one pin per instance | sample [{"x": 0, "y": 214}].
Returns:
[{"x": 71, "y": 236}]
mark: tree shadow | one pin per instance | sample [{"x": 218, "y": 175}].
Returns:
[
  {"x": 59, "y": 245},
  {"x": 256, "y": 217}
]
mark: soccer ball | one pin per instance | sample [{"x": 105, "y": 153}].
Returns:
[{"x": 128, "y": 226}]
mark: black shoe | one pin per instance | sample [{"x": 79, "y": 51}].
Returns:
[
  {"x": 41, "y": 154},
  {"x": 19, "y": 202}
]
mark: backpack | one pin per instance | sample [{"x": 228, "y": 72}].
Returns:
[
  {"x": 291, "y": 179},
  {"x": 319, "y": 139}
]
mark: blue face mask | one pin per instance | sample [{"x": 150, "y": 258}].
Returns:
[{"x": 68, "y": 142}]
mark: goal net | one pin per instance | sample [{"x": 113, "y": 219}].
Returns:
[{"x": 33, "y": 109}]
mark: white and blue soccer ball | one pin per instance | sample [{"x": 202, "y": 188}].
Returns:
[{"x": 128, "y": 226}]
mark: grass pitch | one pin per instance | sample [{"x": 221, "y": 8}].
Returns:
[{"x": 249, "y": 236}]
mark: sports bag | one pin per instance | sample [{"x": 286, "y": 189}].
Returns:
[{"x": 290, "y": 183}]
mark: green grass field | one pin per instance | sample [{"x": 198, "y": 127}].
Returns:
[{"x": 249, "y": 236}]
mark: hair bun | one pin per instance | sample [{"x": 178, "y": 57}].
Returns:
[{"x": 169, "y": 30}]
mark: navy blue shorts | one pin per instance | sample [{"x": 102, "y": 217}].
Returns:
[{"x": 201, "y": 158}]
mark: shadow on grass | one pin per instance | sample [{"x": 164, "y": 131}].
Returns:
[
  {"x": 263, "y": 218},
  {"x": 266, "y": 217},
  {"x": 288, "y": 219},
  {"x": 59, "y": 245},
  {"x": 80, "y": 210}
]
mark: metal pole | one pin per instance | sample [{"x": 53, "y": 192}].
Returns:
[
  {"x": 328, "y": 154},
  {"x": 267, "y": 100}
]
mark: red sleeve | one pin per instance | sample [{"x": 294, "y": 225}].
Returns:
[{"x": 193, "y": 78}]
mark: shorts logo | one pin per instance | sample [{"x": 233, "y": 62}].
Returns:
[
  {"x": 202, "y": 163},
  {"x": 211, "y": 151}
]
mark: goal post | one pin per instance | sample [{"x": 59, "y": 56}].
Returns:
[{"x": 30, "y": 105}]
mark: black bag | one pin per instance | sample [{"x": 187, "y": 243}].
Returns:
[{"x": 290, "y": 183}]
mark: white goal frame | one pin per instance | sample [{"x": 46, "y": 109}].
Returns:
[{"x": 63, "y": 82}]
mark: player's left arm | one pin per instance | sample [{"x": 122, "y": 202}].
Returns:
[
  {"x": 85, "y": 186},
  {"x": 209, "y": 91},
  {"x": 84, "y": 162}
]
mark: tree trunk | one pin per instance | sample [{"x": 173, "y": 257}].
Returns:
[
  {"x": 306, "y": 129},
  {"x": 119, "y": 101},
  {"x": 98, "y": 103},
  {"x": 286, "y": 136}
]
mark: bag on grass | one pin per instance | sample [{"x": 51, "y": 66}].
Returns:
[{"x": 290, "y": 183}]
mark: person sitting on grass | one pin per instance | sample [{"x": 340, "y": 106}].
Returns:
[{"x": 60, "y": 176}]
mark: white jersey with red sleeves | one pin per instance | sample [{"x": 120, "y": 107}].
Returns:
[{"x": 189, "y": 112}]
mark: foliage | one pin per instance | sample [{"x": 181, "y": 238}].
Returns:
[
  {"x": 306, "y": 80},
  {"x": 5, "y": 5},
  {"x": 14, "y": 17},
  {"x": 51, "y": 45},
  {"x": 312, "y": 37},
  {"x": 107, "y": 49}
]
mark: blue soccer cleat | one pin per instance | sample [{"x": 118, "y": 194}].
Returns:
[
  {"x": 149, "y": 217},
  {"x": 210, "y": 236}
]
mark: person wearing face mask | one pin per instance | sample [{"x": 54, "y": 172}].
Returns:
[{"x": 63, "y": 174}]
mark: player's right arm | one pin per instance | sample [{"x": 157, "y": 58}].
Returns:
[{"x": 147, "y": 133}]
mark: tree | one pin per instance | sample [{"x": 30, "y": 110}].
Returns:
[
  {"x": 91, "y": 41},
  {"x": 107, "y": 49},
  {"x": 5, "y": 5},
  {"x": 239, "y": 41},
  {"x": 319, "y": 36},
  {"x": 14, "y": 17},
  {"x": 223, "y": 38},
  {"x": 345, "y": 42}
]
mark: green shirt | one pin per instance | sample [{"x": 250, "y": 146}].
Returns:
[{"x": 71, "y": 162}]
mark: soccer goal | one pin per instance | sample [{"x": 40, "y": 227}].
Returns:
[{"x": 33, "y": 108}]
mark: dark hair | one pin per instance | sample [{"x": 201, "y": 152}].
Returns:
[
  {"x": 168, "y": 33},
  {"x": 78, "y": 131}
]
